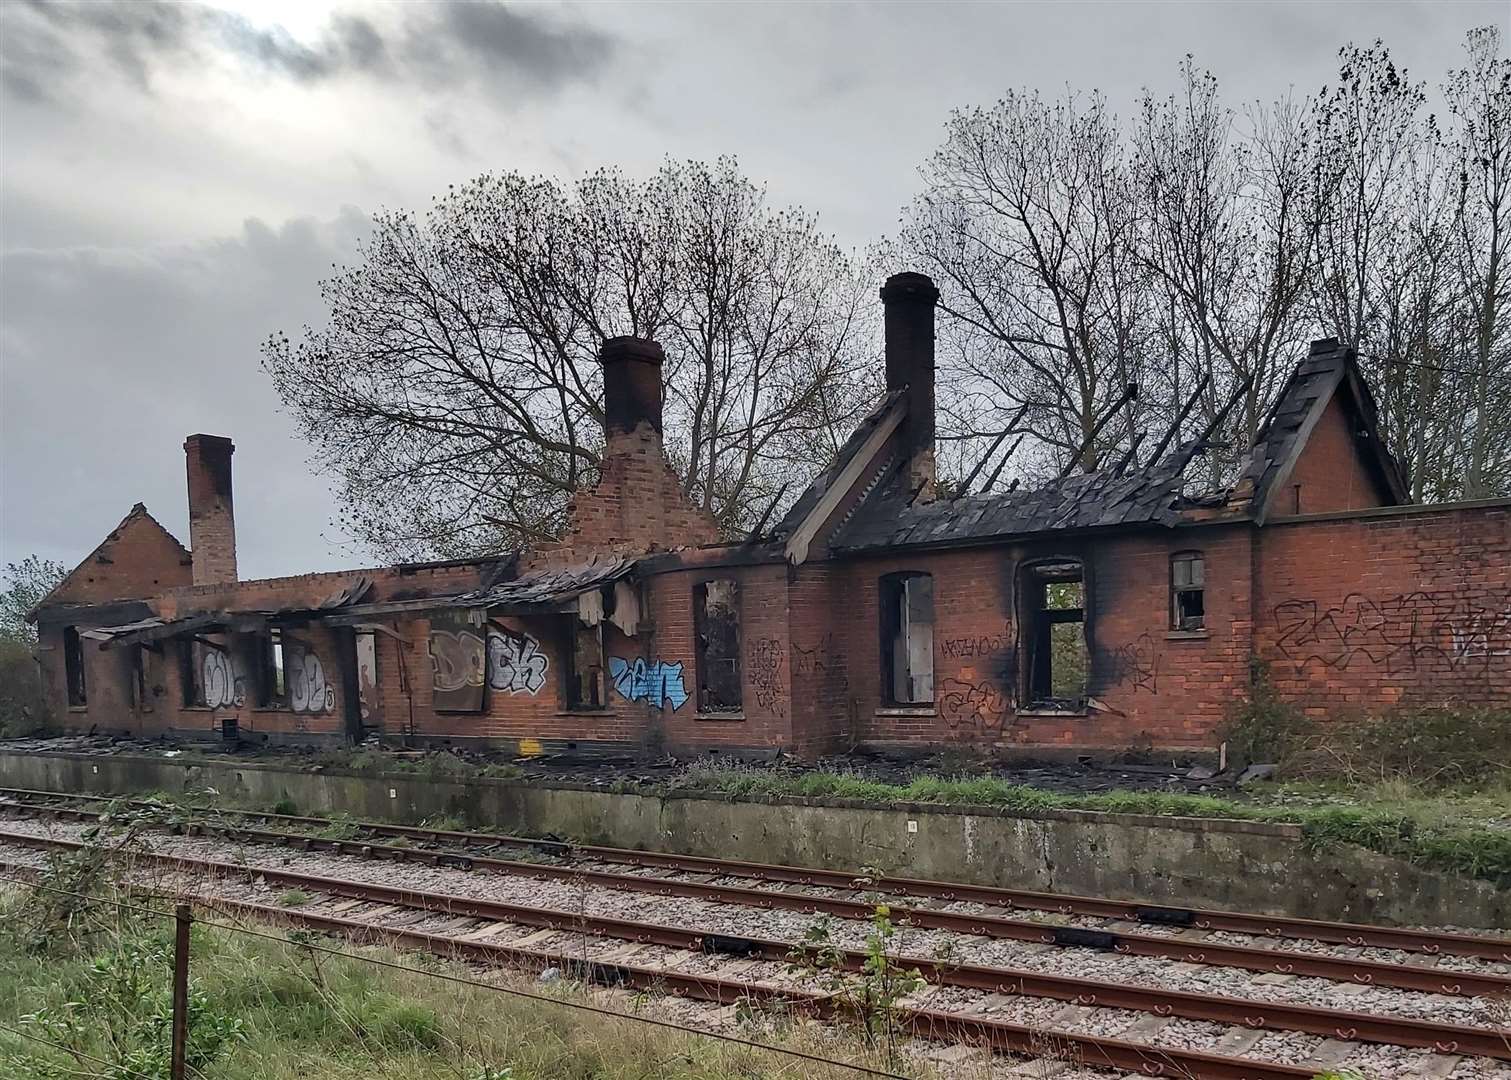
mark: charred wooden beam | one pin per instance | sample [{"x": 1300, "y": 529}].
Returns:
[
  {"x": 992, "y": 479},
  {"x": 1200, "y": 442},
  {"x": 760, "y": 526},
  {"x": 1130, "y": 393},
  {"x": 1127, "y": 458},
  {"x": 1185, "y": 411},
  {"x": 1012, "y": 426}
]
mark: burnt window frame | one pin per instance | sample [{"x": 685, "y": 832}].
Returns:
[
  {"x": 191, "y": 674},
  {"x": 892, "y": 601},
  {"x": 138, "y": 669},
  {"x": 272, "y": 669},
  {"x": 701, "y": 639},
  {"x": 1188, "y": 624},
  {"x": 75, "y": 676},
  {"x": 573, "y": 629},
  {"x": 1036, "y": 635}
]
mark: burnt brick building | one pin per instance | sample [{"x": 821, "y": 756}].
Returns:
[{"x": 1105, "y": 610}]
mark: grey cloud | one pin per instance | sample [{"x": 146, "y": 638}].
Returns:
[
  {"x": 505, "y": 39},
  {"x": 48, "y": 47},
  {"x": 110, "y": 357}
]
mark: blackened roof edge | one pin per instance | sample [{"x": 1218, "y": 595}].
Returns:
[{"x": 815, "y": 491}]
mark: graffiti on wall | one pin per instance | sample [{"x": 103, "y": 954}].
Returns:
[
  {"x": 1135, "y": 664},
  {"x": 305, "y": 678},
  {"x": 458, "y": 661},
  {"x": 998, "y": 641},
  {"x": 825, "y": 661},
  {"x": 1431, "y": 631},
  {"x": 225, "y": 683},
  {"x": 765, "y": 663},
  {"x": 657, "y": 683},
  {"x": 515, "y": 662},
  {"x": 973, "y": 708},
  {"x": 462, "y": 661}
]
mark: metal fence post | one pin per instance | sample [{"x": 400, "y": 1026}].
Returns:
[{"x": 181, "y": 921}]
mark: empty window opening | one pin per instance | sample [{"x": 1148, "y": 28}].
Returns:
[
  {"x": 907, "y": 634},
  {"x": 73, "y": 665},
  {"x": 585, "y": 666},
  {"x": 716, "y": 610},
  {"x": 141, "y": 696},
  {"x": 1188, "y": 577},
  {"x": 191, "y": 674},
  {"x": 274, "y": 682},
  {"x": 1054, "y": 635}
]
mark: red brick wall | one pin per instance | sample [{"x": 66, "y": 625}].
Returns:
[
  {"x": 1404, "y": 606},
  {"x": 108, "y": 705},
  {"x": 1348, "y": 612},
  {"x": 1330, "y": 472},
  {"x": 137, "y": 559},
  {"x": 1154, "y": 686},
  {"x": 540, "y": 720},
  {"x": 637, "y": 506},
  {"x": 824, "y": 715},
  {"x": 519, "y": 716},
  {"x": 765, "y": 722}
]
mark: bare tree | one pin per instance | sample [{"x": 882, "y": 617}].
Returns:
[
  {"x": 1382, "y": 215},
  {"x": 1196, "y": 252},
  {"x": 455, "y": 391},
  {"x": 1368, "y": 124},
  {"x": 1479, "y": 98},
  {"x": 1027, "y": 225},
  {"x": 1414, "y": 330},
  {"x": 1226, "y": 237}
]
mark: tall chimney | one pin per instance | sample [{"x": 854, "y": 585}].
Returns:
[
  {"x": 212, "y": 523},
  {"x": 909, "y": 300},
  {"x": 631, "y": 384}
]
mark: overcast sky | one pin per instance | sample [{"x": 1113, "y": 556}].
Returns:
[{"x": 177, "y": 177}]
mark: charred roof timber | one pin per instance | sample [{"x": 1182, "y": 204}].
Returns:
[{"x": 1130, "y": 393}]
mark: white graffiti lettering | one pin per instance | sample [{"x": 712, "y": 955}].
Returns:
[
  {"x": 515, "y": 663},
  {"x": 308, "y": 690}
]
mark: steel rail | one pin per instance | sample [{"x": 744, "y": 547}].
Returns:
[
  {"x": 1341, "y": 969},
  {"x": 1428, "y": 942},
  {"x": 1332, "y": 1023},
  {"x": 931, "y": 1024}
]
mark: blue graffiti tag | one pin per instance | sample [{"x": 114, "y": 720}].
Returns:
[{"x": 659, "y": 683}]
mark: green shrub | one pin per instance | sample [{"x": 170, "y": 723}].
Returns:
[
  {"x": 1428, "y": 745},
  {"x": 23, "y": 708},
  {"x": 1263, "y": 727}
]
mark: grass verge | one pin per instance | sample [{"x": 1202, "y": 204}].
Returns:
[
  {"x": 272, "y": 1009},
  {"x": 1454, "y": 830}
]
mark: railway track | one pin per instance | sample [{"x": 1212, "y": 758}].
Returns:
[
  {"x": 470, "y": 922},
  {"x": 1263, "y": 959},
  {"x": 1356, "y": 935},
  {"x": 1248, "y": 1021}
]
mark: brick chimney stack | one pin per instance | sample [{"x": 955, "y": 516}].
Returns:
[
  {"x": 908, "y": 300},
  {"x": 212, "y": 522},
  {"x": 631, "y": 384}
]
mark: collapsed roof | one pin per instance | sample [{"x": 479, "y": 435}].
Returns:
[{"x": 884, "y": 513}]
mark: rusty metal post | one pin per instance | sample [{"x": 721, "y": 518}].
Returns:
[{"x": 177, "y": 1063}]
